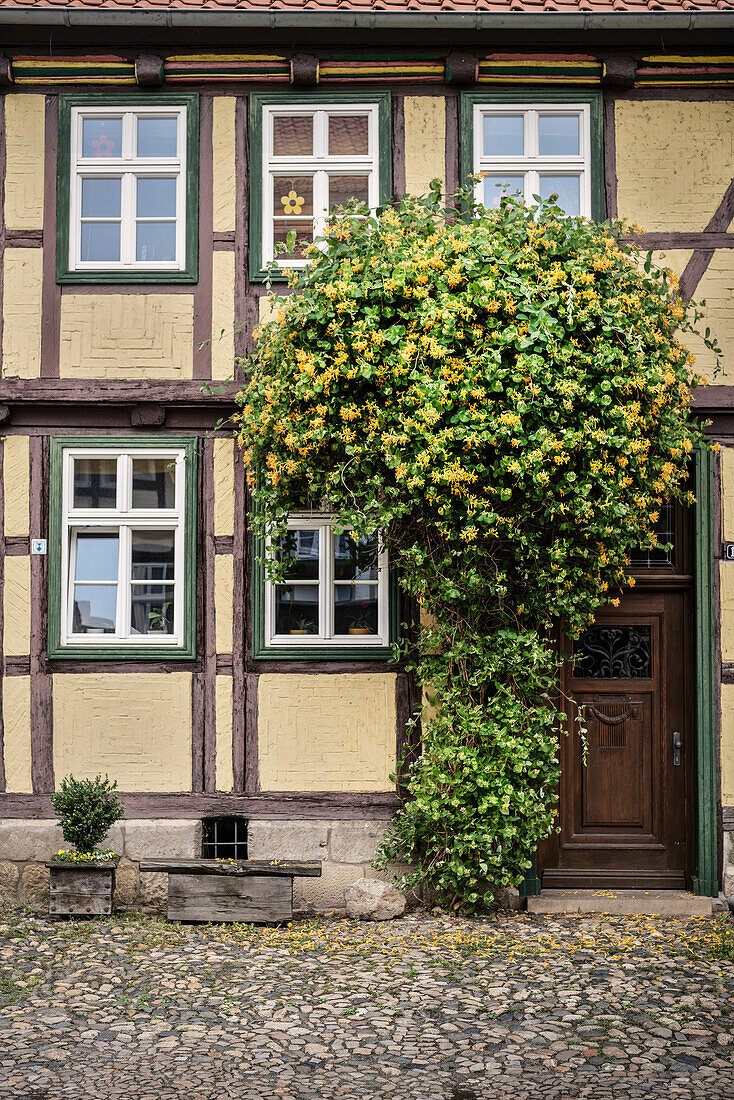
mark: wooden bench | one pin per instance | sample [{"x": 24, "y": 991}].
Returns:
[{"x": 249, "y": 890}]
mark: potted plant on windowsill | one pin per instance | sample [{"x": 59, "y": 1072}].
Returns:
[
  {"x": 303, "y": 626},
  {"x": 83, "y": 879},
  {"x": 360, "y": 624}
]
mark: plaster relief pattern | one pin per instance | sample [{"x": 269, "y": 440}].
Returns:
[
  {"x": 17, "y": 607},
  {"x": 727, "y": 493},
  {"x": 326, "y": 732},
  {"x": 17, "y": 734},
  {"x": 135, "y": 727},
  {"x": 24, "y": 144},
  {"x": 127, "y": 335},
  {"x": 674, "y": 162},
  {"x": 223, "y": 486},
  {"x": 223, "y": 601},
  {"x": 727, "y": 744},
  {"x": 224, "y": 770},
  {"x": 222, "y": 343},
  {"x": 223, "y": 163},
  {"x": 16, "y": 474},
  {"x": 425, "y": 142},
  {"x": 717, "y": 289},
  {"x": 23, "y": 277},
  {"x": 726, "y": 597}
]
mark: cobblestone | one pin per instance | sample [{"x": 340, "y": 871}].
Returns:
[{"x": 422, "y": 1008}]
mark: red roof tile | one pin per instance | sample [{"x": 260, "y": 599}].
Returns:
[{"x": 523, "y": 6}]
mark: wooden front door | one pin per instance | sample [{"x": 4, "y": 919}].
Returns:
[{"x": 625, "y": 813}]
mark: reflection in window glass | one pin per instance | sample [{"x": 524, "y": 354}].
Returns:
[
  {"x": 156, "y": 197},
  {"x": 96, "y": 556},
  {"x": 300, "y": 551},
  {"x": 100, "y": 241},
  {"x": 155, "y": 241},
  {"x": 157, "y": 137},
  {"x": 101, "y": 198},
  {"x": 348, "y": 135},
  {"x": 344, "y": 188},
  {"x": 297, "y": 609},
  {"x": 566, "y": 187},
  {"x": 497, "y": 186},
  {"x": 504, "y": 135},
  {"x": 153, "y": 555},
  {"x": 151, "y": 609},
  {"x": 355, "y": 609},
  {"x": 95, "y": 482},
  {"x": 355, "y": 560},
  {"x": 95, "y": 608},
  {"x": 293, "y": 135},
  {"x": 154, "y": 483},
  {"x": 101, "y": 137},
  {"x": 558, "y": 136}
]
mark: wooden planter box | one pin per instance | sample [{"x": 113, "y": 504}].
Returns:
[
  {"x": 251, "y": 891},
  {"x": 81, "y": 889}
]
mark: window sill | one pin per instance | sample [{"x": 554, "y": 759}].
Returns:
[
  {"x": 121, "y": 653},
  {"x": 323, "y": 653},
  {"x": 131, "y": 276}
]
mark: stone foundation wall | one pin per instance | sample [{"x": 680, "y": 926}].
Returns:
[
  {"x": 345, "y": 847},
  {"x": 727, "y": 886}
]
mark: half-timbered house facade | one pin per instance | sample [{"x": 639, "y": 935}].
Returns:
[{"x": 152, "y": 154}]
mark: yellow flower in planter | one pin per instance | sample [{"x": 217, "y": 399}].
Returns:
[{"x": 292, "y": 202}]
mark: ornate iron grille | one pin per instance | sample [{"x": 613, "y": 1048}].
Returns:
[
  {"x": 224, "y": 838},
  {"x": 644, "y": 557},
  {"x": 614, "y": 653}
]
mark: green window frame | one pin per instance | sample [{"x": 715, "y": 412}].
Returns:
[
  {"x": 62, "y": 531},
  {"x": 529, "y": 100},
  {"x": 382, "y": 101},
  {"x": 187, "y": 220},
  {"x": 264, "y": 649}
]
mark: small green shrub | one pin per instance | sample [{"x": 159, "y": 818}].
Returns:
[{"x": 87, "y": 809}]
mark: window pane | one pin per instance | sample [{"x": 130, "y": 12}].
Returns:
[
  {"x": 496, "y": 186},
  {"x": 96, "y": 556},
  {"x": 156, "y": 241},
  {"x": 101, "y": 198},
  {"x": 300, "y": 551},
  {"x": 95, "y": 608},
  {"x": 558, "y": 135},
  {"x": 344, "y": 188},
  {"x": 157, "y": 137},
  {"x": 568, "y": 189},
  {"x": 151, "y": 609},
  {"x": 304, "y": 234},
  {"x": 355, "y": 609},
  {"x": 100, "y": 241},
  {"x": 293, "y": 135},
  {"x": 355, "y": 560},
  {"x": 297, "y": 609},
  {"x": 156, "y": 197},
  {"x": 504, "y": 135},
  {"x": 349, "y": 135},
  {"x": 293, "y": 195},
  {"x": 95, "y": 482},
  {"x": 101, "y": 137},
  {"x": 646, "y": 557},
  {"x": 153, "y": 555},
  {"x": 154, "y": 483}
]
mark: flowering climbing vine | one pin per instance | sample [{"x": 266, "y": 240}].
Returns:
[{"x": 503, "y": 396}]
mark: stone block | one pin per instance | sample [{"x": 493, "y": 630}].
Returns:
[
  {"x": 373, "y": 899},
  {"x": 35, "y": 886},
  {"x": 26, "y": 840},
  {"x": 160, "y": 838},
  {"x": 327, "y": 892},
  {"x": 9, "y": 879},
  {"x": 355, "y": 841},
  {"x": 153, "y": 891},
  {"x": 287, "y": 839},
  {"x": 126, "y": 885}
]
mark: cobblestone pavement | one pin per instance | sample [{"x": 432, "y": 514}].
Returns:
[{"x": 424, "y": 1008}]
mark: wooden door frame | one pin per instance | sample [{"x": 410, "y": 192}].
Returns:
[{"x": 705, "y": 879}]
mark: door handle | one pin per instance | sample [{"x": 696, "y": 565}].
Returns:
[{"x": 677, "y": 746}]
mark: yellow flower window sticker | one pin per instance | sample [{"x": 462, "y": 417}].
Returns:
[{"x": 292, "y": 202}]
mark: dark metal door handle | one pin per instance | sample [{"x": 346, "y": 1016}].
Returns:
[{"x": 677, "y": 746}]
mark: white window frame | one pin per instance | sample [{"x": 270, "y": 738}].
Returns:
[
  {"x": 325, "y": 524},
  {"x": 123, "y": 519},
  {"x": 320, "y": 165},
  {"x": 130, "y": 168},
  {"x": 531, "y": 164}
]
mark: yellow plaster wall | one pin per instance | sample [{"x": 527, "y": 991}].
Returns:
[
  {"x": 223, "y": 486},
  {"x": 223, "y": 183},
  {"x": 726, "y": 597},
  {"x": 727, "y": 494},
  {"x": 425, "y": 141},
  {"x": 16, "y": 483},
  {"x": 326, "y": 732},
  {"x": 17, "y": 607},
  {"x": 22, "y": 281},
  {"x": 17, "y": 734},
  {"x": 223, "y": 598},
  {"x": 268, "y": 307},
  {"x": 127, "y": 335},
  {"x": 727, "y": 744},
  {"x": 224, "y": 773},
  {"x": 134, "y": 726},
  {"x": 222, "y": 344},
  {"x": 24, "y": 145},
  {"x": 674, "y": 161}
]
